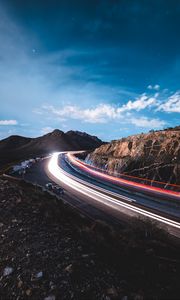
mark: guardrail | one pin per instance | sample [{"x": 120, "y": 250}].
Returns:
[{"x": 147, "y": 181}]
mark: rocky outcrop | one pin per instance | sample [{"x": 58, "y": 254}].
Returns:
[{"x": 155, "y": 155}]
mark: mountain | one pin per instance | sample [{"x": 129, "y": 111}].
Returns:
[
  {"x": 17, "y": 147},
  {"x": 155, "y": 155}
]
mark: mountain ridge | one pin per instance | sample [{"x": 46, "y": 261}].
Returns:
[{"x": 17, "y": 147}]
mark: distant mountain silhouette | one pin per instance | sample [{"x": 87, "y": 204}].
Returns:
[{"x": 17, "y": 147}]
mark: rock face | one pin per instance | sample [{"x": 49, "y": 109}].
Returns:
[
  {"x": 155, "y": 155},
  {"x": 18, "y": 147}
]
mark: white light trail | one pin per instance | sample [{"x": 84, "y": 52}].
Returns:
[
  {"x": 91, "y": 192},
  {"x": 130, "y": 183}
]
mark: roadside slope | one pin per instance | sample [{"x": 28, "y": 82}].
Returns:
[
  {"x": 47, "y": 250},
  {"x": 155, "y": 155}
]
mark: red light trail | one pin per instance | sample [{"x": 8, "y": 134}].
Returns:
[{"x": 130, "y": 183}]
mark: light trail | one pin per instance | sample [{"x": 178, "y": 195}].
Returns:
[
  {"x": 141, "y": 186},
  {"x": 126, "y": 175},
  {"x": 91, "y": 192}
]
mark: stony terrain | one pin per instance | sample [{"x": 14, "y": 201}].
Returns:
[
  {"x": 155, "y": 155},
  {"x": 49, "y": 252}
]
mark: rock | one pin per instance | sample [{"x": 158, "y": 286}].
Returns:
[
  {"x": 154, "y": 155},
  {"x": 28, "y": 292},
  {"x": 72, "y": 295},
  {"x": 123, "y": 284},
  {"x": 92, "y": 262},
  {"x": 39, "y": 275},
  {"x": 138, "y": 297},
  {"x": 68, "y": 268},
  {"x": 51, "y": 297},
  {"x": 85, "y": 255},
  {"x": 124, "y": 298},
  {"x": 112, "y": 292},
  {"x": 20, "y": 283},
  {"x": 18, "y": 200},
  {"x": 150, "y": 252},
  {"x": 52, "y": 285},
  {"x": 7, "y": 271}
]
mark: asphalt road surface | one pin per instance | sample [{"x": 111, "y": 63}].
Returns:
[{"x": 99, "y": 198}]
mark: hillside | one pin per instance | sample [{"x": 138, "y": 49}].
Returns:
[
  {"x": 49, "y": 252},
  {"x": 18, "y": 147},
  {"x": 155, "y": 155}
]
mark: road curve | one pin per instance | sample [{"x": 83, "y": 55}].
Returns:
[{"x": 97, "y": 195}]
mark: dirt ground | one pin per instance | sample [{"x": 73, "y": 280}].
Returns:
[{"x": 46, "y": 252}]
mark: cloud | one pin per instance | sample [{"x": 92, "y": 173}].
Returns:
[
  {"x": 172, "y": 105},
  {"x": 147, "y": 123},
  {"x": 141, "y": 103},
  {"x": 8, "y": 122},
  {"x": 99, "y": 114},
  {"x": 155, "y": 87}
]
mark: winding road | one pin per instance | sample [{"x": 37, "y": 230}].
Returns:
[{"x": 118, "y": 200}]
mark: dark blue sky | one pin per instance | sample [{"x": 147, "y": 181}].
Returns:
[{"x": 111, "y": 68}]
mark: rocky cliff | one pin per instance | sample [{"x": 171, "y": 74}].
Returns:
[{"x": 155, "y": 155}]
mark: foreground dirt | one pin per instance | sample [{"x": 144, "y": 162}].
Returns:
[{"x": 48, "y": 252}]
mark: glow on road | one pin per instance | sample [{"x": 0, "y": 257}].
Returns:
[
  {"x": 126, "y": 182},
  {"x": 91, "y": 192}
]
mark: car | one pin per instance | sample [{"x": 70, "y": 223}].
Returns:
[
  {"x": 49, "y": 186},
  {"x": 54, "y": 188},
  {"x": 58, "y": 190}
]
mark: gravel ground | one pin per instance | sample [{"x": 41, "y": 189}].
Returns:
[{"x": 45, "y": 255}]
